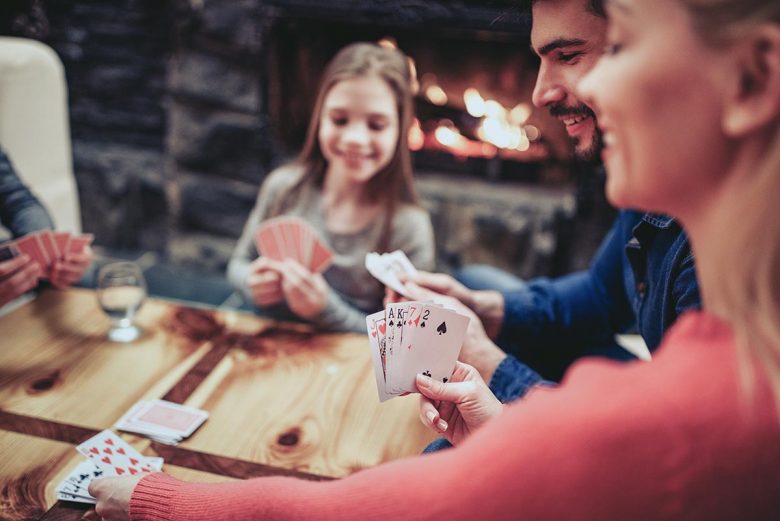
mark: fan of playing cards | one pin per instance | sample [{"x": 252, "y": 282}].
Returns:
[
  {"x": 286, "y": 237},
  {"x": 163, "y": 421},
  {"x": 107, "y": 455},
  {"x": 45, "y": 247},
  {"x": 410, "y": 338},
  {"x": 388, "y": 266}
]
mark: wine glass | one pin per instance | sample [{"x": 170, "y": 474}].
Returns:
[{"x": 121, "y": 290}]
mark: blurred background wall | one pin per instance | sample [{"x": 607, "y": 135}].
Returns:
[{"x": 179, "y": 108}]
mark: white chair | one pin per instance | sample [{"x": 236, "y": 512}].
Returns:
[{"x": 34, "y": 126}]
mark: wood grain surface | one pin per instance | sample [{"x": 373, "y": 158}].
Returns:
[{"x": 283, "y": 399}]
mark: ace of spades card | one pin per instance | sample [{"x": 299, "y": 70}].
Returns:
[{"x": 434, "y": 348}]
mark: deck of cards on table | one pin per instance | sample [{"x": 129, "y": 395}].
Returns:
[
  {"x": 388, "y": 266},
  {"x": 45, "y": 246},
  {"x": 287, "y": 237},
  {"x": 411, "y": 338},
  {"x": 107, "y": 455},
  {"x": 163, "y": 421}
]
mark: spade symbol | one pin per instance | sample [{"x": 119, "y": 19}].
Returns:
[
  {"x": 391, "y": 323},
  {"x": 427, "y": 373},
  {"x": 445, "y": 380},
  {"x": 442, "y": 328},
  {"x": 422, "y": 324}
]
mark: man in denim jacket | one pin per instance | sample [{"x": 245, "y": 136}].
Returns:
[{"x": 643, "y": 275}]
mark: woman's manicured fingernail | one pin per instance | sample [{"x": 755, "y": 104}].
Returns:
[
  {"x": 423, "y": 381},
  {"x": 442, "y": 425},
  {"x": 431, "y": 416}
]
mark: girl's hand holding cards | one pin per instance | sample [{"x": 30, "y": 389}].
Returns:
[
  {"x": 265, "y": 282},
  {"x": 306, "y": 293}
]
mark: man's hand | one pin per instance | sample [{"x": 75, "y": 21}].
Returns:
[
  {"x": 265, "y": 282},
  {"x": 478, "y": 349},
  {"x": 457, "y": 408},
  {"x": 17, "y": 276},
  {"x": 306, "y": 293},
  {"x": 488, "y": 305},
  {"x": 69, "y": 270},
  {"x": 113, "y": 496}
]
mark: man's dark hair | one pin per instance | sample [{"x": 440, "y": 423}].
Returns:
[
  {"x": 594, "y": 6},
  {"x": 597, "y": 7}
]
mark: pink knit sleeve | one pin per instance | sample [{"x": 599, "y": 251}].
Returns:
[{"x": 557, "y": 454}]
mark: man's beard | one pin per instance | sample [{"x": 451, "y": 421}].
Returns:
[{"x": 592, "y": 152}]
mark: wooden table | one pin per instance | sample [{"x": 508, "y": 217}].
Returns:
[{"x": 282, "y": 399}]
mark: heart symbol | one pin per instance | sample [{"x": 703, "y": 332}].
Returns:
[
  {"x": 106, "y": 459},
  {"x": 134, "y": 461},
  {"x": 109, "y": 441},
  {"x": 120, "y": 450},
  {"x": 373, "y": 334},
  {"x": 382, "y": 328},
  {"x": 146, "y": 469},
  {"x": 94, "y": 450},
  {"x": 119, "y": 471},
  {"x": 107, "y": 451},
  {"x": 133, "y": 471}
]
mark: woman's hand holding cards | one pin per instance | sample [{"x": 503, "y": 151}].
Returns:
[
  {"x": 457, "y": 408},
  {"x": 306, "y": 292},
  {"x": 113, "y": 496}
]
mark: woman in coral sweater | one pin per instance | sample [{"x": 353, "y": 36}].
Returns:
[{"x": 688, "y": 97}]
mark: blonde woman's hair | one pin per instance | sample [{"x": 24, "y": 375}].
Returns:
[
  {"x": 394, "y": 184},
  {"x": 749, "y": 264}
]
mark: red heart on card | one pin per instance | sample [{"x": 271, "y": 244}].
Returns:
[
  {"x": 107, "y": 451},
  {"x": 94, "y": 450},
  {"x": 120, "y": 450},
  {"x": 134, "y": 461},
  {"x": 382, "y": 328},
  {"x": 119, "y": 471},
  {"x": 109, "y": 441},
  {"x": 373, "y": 334},
  {"x": 146, "y": 469},
  {"x": 132, "y": 471},
  {"x": 106, "y": 459}
]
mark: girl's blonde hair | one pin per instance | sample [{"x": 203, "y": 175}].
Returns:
[
  {"x": 394, "y": 184},
  {"x": 749, "y": 286}
]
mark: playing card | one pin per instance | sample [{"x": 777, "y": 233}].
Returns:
[
  {"x": 376, "y": 338},
  {"x": 434, "y": 345},
  {"x": 75, "y": 486},
  {"x": 394, "y": 320},
  {"x": 399, "y": 263},
  {"x": 30, "y": 245},
  {"x": 79, "y": 242},
  {"x": 61, "y": 239},
  {"x": 162, "y": 421},
  {"x": 46, "y": 238},
  {"x": 113, "y": 455},
  {"x": 169, "y": 416},
  {"x": 321, "y": 256},
  {"x": 385, "y": 272},
  {"x": 8, "y": 251}
]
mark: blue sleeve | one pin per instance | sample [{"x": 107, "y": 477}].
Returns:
[
  {"x": 512, "y": 379},
  {"x": 555, "y": 320},
  {"x": 20, "y": 211}
]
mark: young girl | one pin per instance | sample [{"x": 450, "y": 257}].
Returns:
[
  {"x": 688, "y": 96},
  {"x": 353, "y": 184}
]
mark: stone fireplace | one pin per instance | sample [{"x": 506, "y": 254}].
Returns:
[{"x": 180, "y": 108}]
